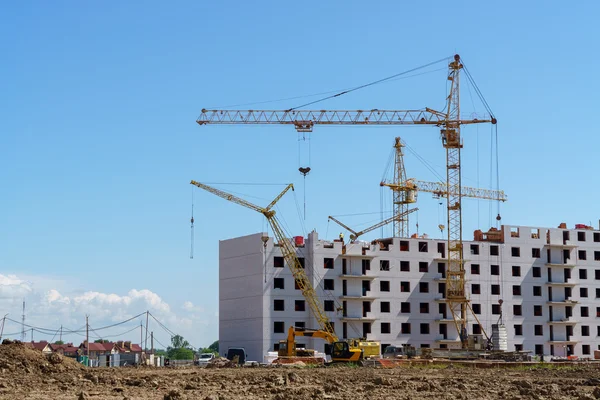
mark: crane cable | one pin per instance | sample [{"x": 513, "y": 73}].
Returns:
[
  {"x": 192, "y": 228},
  {"x": 318, "y": 94},
  {"x": 368, "y": 84}
]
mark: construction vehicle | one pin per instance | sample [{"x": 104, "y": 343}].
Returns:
[
  {"x": 289, "y": 255},
  {"x": 340, "y": 351},
  {"x": 404, "y": 351}
]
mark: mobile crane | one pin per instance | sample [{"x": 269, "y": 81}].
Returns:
[{"x": 342, "y": 349}]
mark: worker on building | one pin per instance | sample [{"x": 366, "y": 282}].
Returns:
[{"x": 341, "y": 237}]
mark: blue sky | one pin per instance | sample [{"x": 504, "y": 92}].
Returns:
[{"x": 99, "y": 140}]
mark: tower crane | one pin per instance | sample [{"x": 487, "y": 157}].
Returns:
[
  {"x": 354, "y": 235},
  {"x": 405, "y": 190},
  {"x": 449, "y": 122}
]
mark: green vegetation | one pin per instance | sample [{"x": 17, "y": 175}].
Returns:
[
  {"x": 213, "y": 348},
  {"x": 180, "y": 349}
]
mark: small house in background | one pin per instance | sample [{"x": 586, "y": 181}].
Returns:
[
  {"x": 67, "y": 349},
  {"x": 42, "y": 346},
  {"x": 128, "y": 347},
  {"x": 95, "y": 349}
]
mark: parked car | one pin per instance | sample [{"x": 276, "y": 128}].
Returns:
[
  {"x": 237, "y": 351},
  {"x": 205, "y": 358},
  {"x": 399, "y": 352}
]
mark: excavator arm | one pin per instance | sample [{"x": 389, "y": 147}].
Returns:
[{"x": 313, "y": 333}]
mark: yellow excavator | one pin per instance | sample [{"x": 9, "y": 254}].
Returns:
[{"x": 339, "y": 351}]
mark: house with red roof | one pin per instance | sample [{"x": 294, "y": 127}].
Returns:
[
  {"x": 109, "y": 348},
  {"x": 66, "y": 349},
  {"x": 42, "y": 346},
  {"x": 95, "y": 349}
]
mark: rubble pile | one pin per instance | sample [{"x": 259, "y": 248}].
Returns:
[
  {"x": 18, "y": 358},
  {"x": 221, "y": 362}
]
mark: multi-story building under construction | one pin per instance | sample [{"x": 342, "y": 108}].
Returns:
[{"x": 392, "y": 290}]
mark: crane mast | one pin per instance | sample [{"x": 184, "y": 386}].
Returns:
[
  {"x": 455, "y": 269},
  {"x": 287, "y": 251},
  {"x": 402, "y": 198},
  {"x": 450, "y": 123}
]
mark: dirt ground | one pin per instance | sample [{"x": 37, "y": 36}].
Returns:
[{"x": 27, "y": 374}]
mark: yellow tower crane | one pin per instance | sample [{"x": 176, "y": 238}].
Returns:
[
  {"x": 449, "y": 122},
  {"x": 405, "y": 190}
]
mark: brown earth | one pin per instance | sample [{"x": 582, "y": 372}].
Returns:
[{"x": 27, "y": 374}]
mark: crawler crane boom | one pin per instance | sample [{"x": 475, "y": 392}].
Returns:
[{"x": 287, "y": 250}]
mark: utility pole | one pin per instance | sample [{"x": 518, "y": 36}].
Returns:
[
  {"x": 23, "y": 323},
  {"x": 2, "y": 329},
  {"x": 60, "y": 333},
  {"x": 146, "y": 341},
  {"x": 87, "y": 339},
  {"x": 31, "y": 335},
  {"x": 141, "y": 334},
  {"x": 151, "y": 342}
]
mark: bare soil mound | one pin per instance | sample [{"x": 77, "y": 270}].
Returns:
[
  {"x": 66, "y": 379},
  {"x": 17, "y": 358}
]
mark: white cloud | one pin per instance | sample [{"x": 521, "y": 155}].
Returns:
[
  {"x": 189, "y": 306},
  {"x": 13, "y": 287},
  {"x": 53, "y": 307},
  {"x": 53, "y": 296}
]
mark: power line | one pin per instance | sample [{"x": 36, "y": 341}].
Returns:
[{"x": 51, "y": 331}]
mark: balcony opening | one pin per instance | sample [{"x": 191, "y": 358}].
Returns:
[
  {"x": 441, "y": 248},
  {"x": 366, "y": 329},
  {"x": 566, "y": 256},
  {"x": 366, "y": 308},
  {"x": 444, "y": 331},
  {"x": 366, "y": 287}
]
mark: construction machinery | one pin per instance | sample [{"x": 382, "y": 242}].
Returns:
[
  {"x": 405, "y": 190},
  {"x": 354, "y": 235},
  {"x": 449, "y": 121},
  {"x": 289, "y": 255},
  {"x": 340, "y": 351}
]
